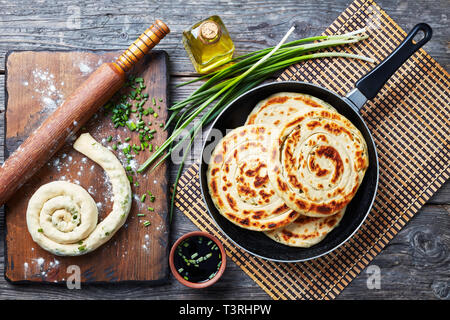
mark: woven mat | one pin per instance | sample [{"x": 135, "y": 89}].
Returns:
[{"x": 409, "y": 120}]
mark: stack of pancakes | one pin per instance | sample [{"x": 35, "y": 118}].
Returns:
[{"x": 290, "y": 171}]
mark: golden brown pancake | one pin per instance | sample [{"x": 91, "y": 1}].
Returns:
[
  {"x": 239, "y": 184},
  {"x": 306, "y": 231},
  {"x": 317, "y": 162},
  {"x": 280, "y": 107}
]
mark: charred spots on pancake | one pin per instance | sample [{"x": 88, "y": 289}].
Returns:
[
  {"x": 323, "y": 138},
  {"x": 276, "y": 100},
  {"x": 331, "y": 154},
  {"x": 293, "y": 181},
  {"x": 253, "y": 182},
  {"x": 261, "y": 181},
  {"x": 213, "y": 185},
  {"x": 231, "y": 202},
  {"x": 301, "y": 204},
  {"x": 331, "y": 222},
  {"x": 336, "y": 129},
  {"x": 312, "y": 143},
  {"x": 308, "y": 101},
  {"x": 242, "y": 167},
  {"x": 214, "y": 171},
  {"x": 329, "y": 208},
  {"x": 295, "y": 122},
  {"x": 302, "y": 220},
  {"x": 360, "y": 162},
  {"x": 314, "y": 167},
  {"x": 251, "y": 119},
  {"x": 254, "y": 172},
  {"x": 325, "y": 114},
  {"x": 286, "y": 234},
  {"x": 313, "y": 124},
  {"x": 245, "y": 221},
  {"x": 265, "y": 197},
  {"x": 292, "y": 214},
  {"x": 281, "y": 184},
  {"x": 288, "y": 153},
  {"x": 259, "y": 214},
  {"x": 279, "y": 210},
  {"x": 246, "y": 191}
]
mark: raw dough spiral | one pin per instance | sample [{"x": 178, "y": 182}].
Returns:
[
  {"x": 62, "y": 216},
  {"x": 317, "y": 162}
]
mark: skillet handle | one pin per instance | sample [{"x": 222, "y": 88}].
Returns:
[{"x": 369, "y": 85}]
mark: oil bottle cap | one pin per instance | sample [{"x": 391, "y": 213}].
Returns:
[{"x": 209, "y": 32}]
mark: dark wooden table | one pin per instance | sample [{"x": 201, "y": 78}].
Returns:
[{"x": 415, "y": 265}]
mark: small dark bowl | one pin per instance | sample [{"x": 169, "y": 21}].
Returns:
[
  {"x": 204, "y": 284},
  {"x": 256, "y": 242}
]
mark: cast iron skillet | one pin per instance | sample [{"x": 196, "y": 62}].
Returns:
[{"x": 366, "y": 88}]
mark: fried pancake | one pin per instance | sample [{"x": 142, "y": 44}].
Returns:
[
  {"x": 239, "y": 184},
  {"x": 317, "y": 162}
]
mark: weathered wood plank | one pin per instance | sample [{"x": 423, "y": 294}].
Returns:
[
  {"x": 412, "y": 266},
  {"x": 412, "y": 278},
  {"x": 253, "y": 24},
  {"x": 139, "y": 247},
  {"x": 415, "y": 264}
]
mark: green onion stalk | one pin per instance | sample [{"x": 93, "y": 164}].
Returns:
[{"x": 226, "y": 84}]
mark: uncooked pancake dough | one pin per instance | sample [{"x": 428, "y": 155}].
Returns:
[{"x": 62, "y": 216}]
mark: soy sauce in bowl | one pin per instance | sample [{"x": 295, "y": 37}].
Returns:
[{"x": 197, "y": 260}]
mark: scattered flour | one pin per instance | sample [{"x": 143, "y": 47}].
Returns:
[
  {"x": 84, "y": 68},
  {"x": 45, "y": 86}
]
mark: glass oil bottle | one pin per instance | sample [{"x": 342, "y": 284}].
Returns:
[{"x": 208, "y": 44}]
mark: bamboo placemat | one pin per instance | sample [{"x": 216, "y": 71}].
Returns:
[{"x": 409, "y": 120}]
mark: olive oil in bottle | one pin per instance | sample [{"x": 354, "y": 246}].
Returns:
[{"x": 208, "y": 44}]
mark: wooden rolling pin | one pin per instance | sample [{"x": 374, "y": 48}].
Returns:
[{"x": 68, "y": 118}]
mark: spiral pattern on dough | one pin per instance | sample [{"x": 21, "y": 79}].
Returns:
[
  {"x": 62, "y": 217},
  {"x": 239, "y": 184},
  {"x": 317, "y": 162}
]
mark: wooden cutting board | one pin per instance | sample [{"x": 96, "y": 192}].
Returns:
[{"x": 36, "y": 83}]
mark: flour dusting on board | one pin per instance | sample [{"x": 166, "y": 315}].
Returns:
[
  {"x": 45, "y": 86},
  {"x": 84, "y": 68}
]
